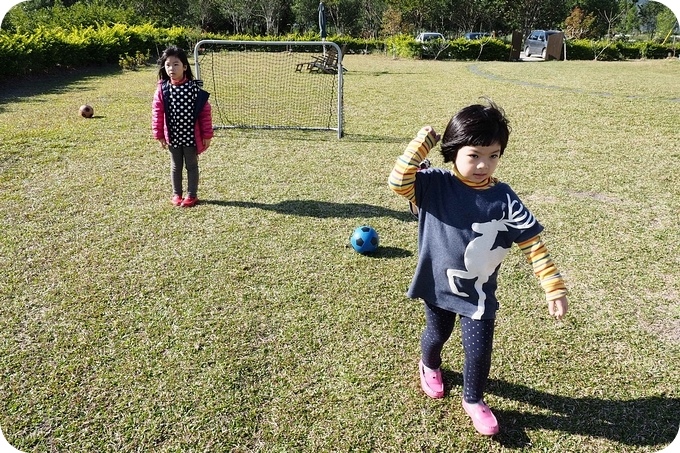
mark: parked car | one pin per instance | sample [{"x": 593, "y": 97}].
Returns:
[
  {"x": 537, "y": 42},
  {"x": 476, "y": 35},
  {"x": 429, "y": 36}
]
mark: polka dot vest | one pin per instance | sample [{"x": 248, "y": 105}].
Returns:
[{"x": 181, "y": 114}]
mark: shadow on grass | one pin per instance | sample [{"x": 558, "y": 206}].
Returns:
[
  {"x": 59, "y": 81},
  {"x": 320, "y": 209},
  {"x": 647, "y": 421},
  {"x": 304, "y": 135},
  {"x": 368, "y": 138},
  {"x": 389, "y": 252}
]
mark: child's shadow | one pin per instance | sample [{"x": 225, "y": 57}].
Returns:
[
  {"x": 325, "y": 210},
  {"x": 648, "y": 421},
  {"x": 320, "y": 209}
]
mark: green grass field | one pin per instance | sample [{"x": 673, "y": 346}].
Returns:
[{"x": 247, "y": 324}]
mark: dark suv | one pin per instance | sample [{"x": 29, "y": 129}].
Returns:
[
  {"x": 476, "y": 35},
  {"x": 537, "y": 42}
]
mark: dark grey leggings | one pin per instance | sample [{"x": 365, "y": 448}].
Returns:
[
  {"x": 184, "y": 156},
  {"x": 477, "y": 336}
]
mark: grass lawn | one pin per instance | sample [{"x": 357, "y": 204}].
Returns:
[{"x": 247, "y": 324}]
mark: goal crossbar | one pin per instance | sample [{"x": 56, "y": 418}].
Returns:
[{"x": 273, "y": 84}]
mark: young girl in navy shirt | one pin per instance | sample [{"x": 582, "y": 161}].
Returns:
[{"x": 467, "y": 223}]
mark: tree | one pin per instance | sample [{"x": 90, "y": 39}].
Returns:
[
  {"x": 393, "y": 23},
  {"x": 527, "y": 15},
  {"x": 239, "y": 13},
  {"x": 606, "y": 14},
  {"x": 270, "y": 11},
  {"x": 371, "y": 17},
  {"x": 611, "y": 16},
  {"x": 203, "y": 12},
  {"x": 666, "y": 22},
  {"x": 578, "y": 25},
  {"x": 478, "y": 15},
  {"x": 630, "y": 22},
  {"x": 648, "y": 14},
  {"x": 306, "y": 14},
  {"x": 421, "y": 14},
  {"x": 344, "y": 15},
  {"x": 468, "y": 16}
]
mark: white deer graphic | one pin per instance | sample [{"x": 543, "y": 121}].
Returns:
[{"x": 481, "y": 260}]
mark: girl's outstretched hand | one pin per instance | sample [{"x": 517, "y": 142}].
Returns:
[
  {"x": 430, "y": 130},
  {"x": 558, "y": 307}
]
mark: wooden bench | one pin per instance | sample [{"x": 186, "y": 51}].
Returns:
[{"x": 327, "y": 63}]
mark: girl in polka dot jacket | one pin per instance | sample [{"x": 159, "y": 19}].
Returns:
[
  {"x": 467, "y": 223},
  {"x": 181, "y": 121}
]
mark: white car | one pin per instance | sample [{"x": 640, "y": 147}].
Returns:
[{"x": 429, "y": 36}]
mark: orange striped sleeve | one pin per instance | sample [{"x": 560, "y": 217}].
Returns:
[
  {"x": 403, "y": 176},
  {"x": 544, "y": 268}
]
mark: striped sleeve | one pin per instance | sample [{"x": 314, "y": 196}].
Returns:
[
  {"x": 542, "y": 264},
  {"x": 403, "y": 177}
]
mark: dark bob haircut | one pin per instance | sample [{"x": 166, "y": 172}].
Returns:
[{"x": 475, "y": 125}]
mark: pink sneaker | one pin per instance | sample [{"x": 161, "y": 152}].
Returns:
[
  {"x": 189, "y": 202},
  {"x": 431, "y": 382},
  {"x": 482, "y": 417},
  {"x": 177, "y": 200}
]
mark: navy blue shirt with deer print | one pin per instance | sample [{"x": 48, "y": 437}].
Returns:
[{"x": 463, "y": 236}]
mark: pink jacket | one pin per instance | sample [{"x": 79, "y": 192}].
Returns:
[{"x": 159, "y": 125}]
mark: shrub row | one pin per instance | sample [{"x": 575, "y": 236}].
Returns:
[
  {"x": 489, "y": 49},
  {"x": 46, "y": 48},
  {"x": 455, "y": 49},
  {"x": 351, "y": 45},
  {"x": 583, "y": 49}
]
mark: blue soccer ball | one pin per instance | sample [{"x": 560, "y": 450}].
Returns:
[{"x": 364, "y": 239}]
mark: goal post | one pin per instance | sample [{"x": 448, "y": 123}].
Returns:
[{"x": 273, "y": 84}]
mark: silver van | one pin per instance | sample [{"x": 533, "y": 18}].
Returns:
[{"x": 537, "y": 42}]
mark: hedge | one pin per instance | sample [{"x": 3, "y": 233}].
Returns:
[
  {"x": 583, "y": 49},
  {"x": 46, "y": 48},
  {"x": 486, "y": 49}
]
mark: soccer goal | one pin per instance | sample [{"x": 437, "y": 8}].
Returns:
[{"x": 272, "y": 84}]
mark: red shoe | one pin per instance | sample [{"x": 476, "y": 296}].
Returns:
[
  {"x": 482, "y": 417},
  {"x": 431, "y": 382},
  {"x": 189, "y": 202},
  {"x": 177, "y": 200}
]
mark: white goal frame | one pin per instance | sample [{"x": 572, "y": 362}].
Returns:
[{"x": 325, "y": 45}]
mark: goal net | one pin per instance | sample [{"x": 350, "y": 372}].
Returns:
[{"x": 272, "y": 84}]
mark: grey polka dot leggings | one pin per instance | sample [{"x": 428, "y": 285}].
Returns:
[{"x": 477, "y": 336}]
